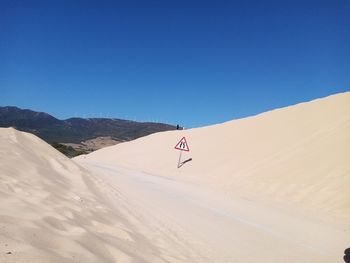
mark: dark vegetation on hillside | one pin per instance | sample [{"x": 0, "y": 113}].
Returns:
[{"x": 69, "y": 151}]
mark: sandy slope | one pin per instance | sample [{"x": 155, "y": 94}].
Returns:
[
  {"x": 52, "y": 210},
  {"x": 283, "y": 179},
  {"x": 299, "y": 154},
  {"x": 191, "y": 224},
  {"x": 271, "y": 188}
]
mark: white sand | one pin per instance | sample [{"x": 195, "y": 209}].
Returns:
[
  {"x": 271, "y": 188},
  {"x": 290, "y": 154},
  {"x": 52, "y": 210}
]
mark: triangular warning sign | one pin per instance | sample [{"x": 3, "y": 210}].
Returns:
[{"x": 182, "y": 145}]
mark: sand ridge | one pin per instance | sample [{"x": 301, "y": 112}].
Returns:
[
  {"x": 53, "y": 210},
  {"x": 287, "y": 154},
  {"x": 269, "y": 188}
]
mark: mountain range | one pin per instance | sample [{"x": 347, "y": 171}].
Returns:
[{"x": 77, "y": 132}]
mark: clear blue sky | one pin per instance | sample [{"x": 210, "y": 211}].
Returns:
[{"x": 188, "y": 62}]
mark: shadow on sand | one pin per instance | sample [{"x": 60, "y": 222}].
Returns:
[{"x": 182, "y": 163}]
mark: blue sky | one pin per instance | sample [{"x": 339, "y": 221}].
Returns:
[{"x": 189, "y": 62}]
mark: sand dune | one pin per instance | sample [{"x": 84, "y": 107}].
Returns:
[
  {"x": 52, "y": 210},
  {"x": 270, "y": 188},
  {"x": 299, "y": 154}
]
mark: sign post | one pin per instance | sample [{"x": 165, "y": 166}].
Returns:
[
  {"x": 179, "y": 162},
  {"x": 181, "y": 146}
]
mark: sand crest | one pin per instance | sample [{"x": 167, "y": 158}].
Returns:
[{"x": 269, "y": 188}]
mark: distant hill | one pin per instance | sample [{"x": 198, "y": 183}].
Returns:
[{"x": 76, "y": 130}]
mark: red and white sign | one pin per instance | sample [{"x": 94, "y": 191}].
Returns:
[{"x": 182, "y": 145}]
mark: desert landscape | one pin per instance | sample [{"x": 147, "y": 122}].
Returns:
[{"x": 268, "y": 188}]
